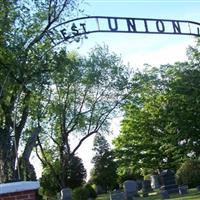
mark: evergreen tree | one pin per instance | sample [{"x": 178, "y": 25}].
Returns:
[
  {"x": 75, "y": 176},
  {"x": 104, "y": 172}
]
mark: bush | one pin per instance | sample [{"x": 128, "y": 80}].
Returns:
[
  {"x": 80, "y": 193},
  {"x": 189, "y": 173},
  {"x": 128, "y": 174},
  {"x": 91, "y": 191},
  {"x": 83, "y": 193}
]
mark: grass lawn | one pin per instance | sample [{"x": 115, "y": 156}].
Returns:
[{"x": 192, "y": 195}]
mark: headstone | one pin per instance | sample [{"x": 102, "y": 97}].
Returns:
[
  {"x": 198, "y": 188},
  {"x": 139, "y": 184},
  {"x": 117, "y": 195},
  {"x": 99, "y": 189},
  {"x": 66, "y": 194},
  {"x": 183, "y": 190},
  {"x": 168, "y": 181},
  {"x": 155, "y": 182},
  {"x": 165, "y": 194},
  {"x": 146, "y": 187},
  {"x": 58, "y": 195},
  {"x": 130, "y": 189}
]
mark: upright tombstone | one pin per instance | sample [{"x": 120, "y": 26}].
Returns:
[
  {"x": 130, "y": 189},
  {"x": 139, "y": 183},
  {"x": 146, "y": 187},
  {"x": 183, "y": 189},
  {"x": 168, "y": 181},
  {"x": 155, "y": 182},
  {"x": 198, "y": 188},
  {"x": 164, "y": 194},
  {"x": 116, "y": 195},
  {"x": 66, "y": 194},
  {"x": 99, "y": 189}
]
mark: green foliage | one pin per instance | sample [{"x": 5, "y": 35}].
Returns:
[
  {"x": 104, "y": 172},
  {"x": 91, "y": 191},
  {"x": 75, "y": 175},
  {"x": 189, "y": 173},
  {"x": 84, "y": 192},
  {"x": 25, "y": 66},
  {"x": 80, "y": 193},
  {"x": 161, "y": 117},
  {"x": 49, "y": 183},
  {"x": 43, "y": 87},
  {"x": 85, "y": 93},
  {"x": 27, "y": 171},
  {"x": 62, "y": 94},
  {"x": 127, "y": 173}
]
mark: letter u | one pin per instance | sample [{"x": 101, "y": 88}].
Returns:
[{"x": 110, "y": 25}]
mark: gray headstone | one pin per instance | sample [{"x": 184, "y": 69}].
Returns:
[
  {"x": 99, "y": 189},
  {"x": 58, "y": 195},
  {"x": 168, "y": 182},
  {"x": 198, "y": 188},
  {"x": 116, "y": 195},
  {"x": 139, "y": 184},
  {"x": 146, "y": 187},
  {"x": 165, "y": 194},
  {"x": 183, "y": 190},
  {"x": 66, "y": 194},
  {"x": 130, "y": 189},
  {"x": 155, "y": 182}
]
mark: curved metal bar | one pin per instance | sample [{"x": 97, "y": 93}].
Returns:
[
  {"x": 124, "y": 18},
  {"x": 108, "y": 24}
]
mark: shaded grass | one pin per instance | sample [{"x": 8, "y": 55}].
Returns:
[{"x": 193, "y": 194}]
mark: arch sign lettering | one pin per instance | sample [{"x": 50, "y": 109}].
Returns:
[{"x": 75, "y": 28}]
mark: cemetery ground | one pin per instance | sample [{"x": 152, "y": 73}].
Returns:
[{"x": 193, "y": 194}]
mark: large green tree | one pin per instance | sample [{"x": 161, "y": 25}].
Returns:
[
  {"x": 25, "y": 65},
  {"x": 46, "y": 94},
  {"x": 84, "y": 97},
  {"x": 160, "y": 128}
]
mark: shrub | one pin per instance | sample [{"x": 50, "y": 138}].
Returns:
[
  {"x": 91, "y": 191},
  {"x": 83, "y": 193},
  {"x": 128, "y": 174},
  {"x": 189, "y": 173},
  {"x": 80, "y": 193}
]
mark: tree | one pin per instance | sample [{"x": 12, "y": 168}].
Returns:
[
  {"x": 188, "y": 173},
  {"x": 160, "y": 128},
  {"x": 84, "y": 96},
  {"x": 75, "y": 176},
  {"x": 41, "y": 93},
  {"x": 104, "y": 171},
  {"x": 141, "y": 136},
  {"x": 25, "y": 65}
]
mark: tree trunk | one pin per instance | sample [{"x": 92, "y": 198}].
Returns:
[{"x": 27, "y": 171}]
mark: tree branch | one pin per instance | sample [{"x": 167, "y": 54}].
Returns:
[
  {"x": 31, "y": 143},
  {"x": 99, "y": 124},
  {"x": 49, "y": 24},
  {"x": 24, "y": 117}
]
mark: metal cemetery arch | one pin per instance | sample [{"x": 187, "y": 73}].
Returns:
[{"x": 72, "y": 29}]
